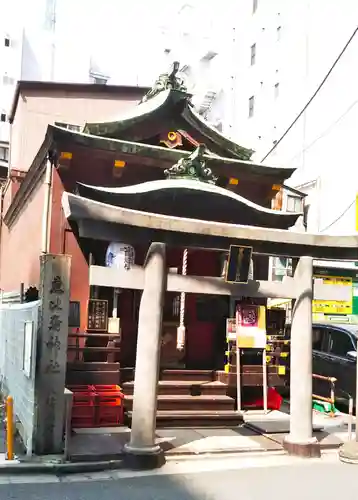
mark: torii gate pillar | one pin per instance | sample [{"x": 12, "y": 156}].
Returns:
[
  {"x": 300, "y": 440},
  {"x": 142, "y": 452}
]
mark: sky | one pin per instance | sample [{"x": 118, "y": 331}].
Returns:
[{"x": 123, "y": 38}]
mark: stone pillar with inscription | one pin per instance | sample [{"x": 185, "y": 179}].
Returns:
[{"x": 52, "y": 353}]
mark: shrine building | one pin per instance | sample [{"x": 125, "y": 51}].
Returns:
[{"x": 158, "y": 157}]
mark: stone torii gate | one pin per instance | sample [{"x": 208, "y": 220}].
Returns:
[{"x": 154, "y": 280}]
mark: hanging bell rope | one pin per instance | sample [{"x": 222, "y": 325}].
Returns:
[{"x": 181, "y": 327}]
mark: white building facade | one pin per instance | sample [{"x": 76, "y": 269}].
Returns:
[
  {"x": 104, "y": 42},
  {"x": 286, "y": 48},
  {"x": 252, "y": 67},
  {"x": 270, "y": 57}
]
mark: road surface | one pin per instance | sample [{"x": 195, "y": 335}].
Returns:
[{"x": 219, "y": 479}]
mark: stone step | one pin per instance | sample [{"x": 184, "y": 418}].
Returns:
[
  {"x": 101, "y": 366},
  {"x": 183, "y": 387},
  {"x": 94, "y": 377},
  {"x": 188, "y": 403},
  {"x": 252, "y": 378},
  {"x": 191, "y": 375},
  {"x": 195, "y": 418}
]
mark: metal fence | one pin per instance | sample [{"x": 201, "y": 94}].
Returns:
[{"x": 18, "y": 342}]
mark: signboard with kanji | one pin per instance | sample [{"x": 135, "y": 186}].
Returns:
[
  {"x": 251, "y": 326},
  {"x": 97, "y": 315},
  {"x": 332, "y": 295},
  {"x": 238, "y": 265}
]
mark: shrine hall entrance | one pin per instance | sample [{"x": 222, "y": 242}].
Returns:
[{"x": 205, "y": 339}]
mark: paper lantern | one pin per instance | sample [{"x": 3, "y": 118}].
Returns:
[{"x": 120, "y": 255}]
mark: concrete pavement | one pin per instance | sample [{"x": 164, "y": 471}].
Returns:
[
  {"x": 247, "y": 478},
  {"x": 108, "y": 444}
]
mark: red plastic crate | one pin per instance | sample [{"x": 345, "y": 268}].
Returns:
[
  {"x": 81, "y": 388},
  {"x": 108, "y": 399},
  {"x": 97, "y": 406},
  {"x": 108, "y": 395},
  {"x": 83, "y": 395},
  {"x": 83, "y": 411},
  {"x": 109, "y": 416},
  {"x": 83, "y": 416},
  {"x": 106, "y": 388}
]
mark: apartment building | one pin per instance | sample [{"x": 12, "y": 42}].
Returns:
[{"x": 290, "y": 113}]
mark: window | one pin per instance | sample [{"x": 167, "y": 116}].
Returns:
[
  {"x": 8, "y": 80},
  {"x": 99, "y": 81},
  {"x": 281, "y": 267},
  {"x": 254, "y": 6},
  {"x": 209, "y": 56},
  {"x": 277, "y": 90},
  {"x": 339, "y": 343},
  {"x": 278, "y": 33},
  {"x": 277, "y": 201},
  {"x": 294, "y": 204},
  {"x": 3, "y": 117},
  {"x": 317, "y": 339},
  {"x": 7, "y": 41},
  {"x": 251, "y": 106},
  {"x": 171, "y": 307},
  {"x": 4, "y": 153},
  {"x": 306, "y": 210},
  {"x": 253, "y": 54},
  {"x": 69, "y": 126}
]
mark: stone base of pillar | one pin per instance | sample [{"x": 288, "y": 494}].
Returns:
[
  {"x": 310, "y": 449},
  {"x": 348, "y": 452},
  {"x": 143, "y": 458}
]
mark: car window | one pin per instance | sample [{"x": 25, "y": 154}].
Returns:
[
  {"x": 339, "y": 342},
  {"x": 317, "y": 338}
]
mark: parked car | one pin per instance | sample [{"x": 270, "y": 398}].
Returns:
[{"x": 334, "y": 348}]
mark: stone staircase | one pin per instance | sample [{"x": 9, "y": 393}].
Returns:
[{"x": 189, "y": 398}]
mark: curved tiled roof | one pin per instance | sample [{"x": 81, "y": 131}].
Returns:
[
  {"x": 190, "y": 198},
  {"x": 238, "y": 168},
  {"x": 170, "y": 104}
]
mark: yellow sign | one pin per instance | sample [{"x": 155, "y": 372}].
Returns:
[
  {"x": 65, "y": 155},
  {"x": 119, "y": 163},
  {"x": 334, "y": 306},
  {"x": 282, "y": 370}
]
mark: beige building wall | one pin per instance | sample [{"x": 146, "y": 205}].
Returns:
[
  {"x": 21, "y": 244},
  {"x": 36, "y": 109}
]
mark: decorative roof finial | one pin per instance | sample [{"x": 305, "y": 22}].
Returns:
[
  {"x": 169, "y": 80},
  {"x": 192, "y": 167}
]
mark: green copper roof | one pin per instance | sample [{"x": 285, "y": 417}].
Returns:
[{"x": 168, "y": 106}]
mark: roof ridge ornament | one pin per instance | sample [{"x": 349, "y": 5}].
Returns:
[
  {"x": 192, "y": 167},
  {"x": 169, "y": 80}
]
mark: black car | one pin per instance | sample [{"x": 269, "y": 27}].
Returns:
[{"x": 334, "y": 348}]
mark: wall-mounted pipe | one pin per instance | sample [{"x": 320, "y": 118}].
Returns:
[{"x": 46, "y": 209}]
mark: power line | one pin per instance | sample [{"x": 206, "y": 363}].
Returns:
[
  {"x": 339, "y": 217},
  {"x": 314, "y": 95},
  {"x": 327, "y": 131}
]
